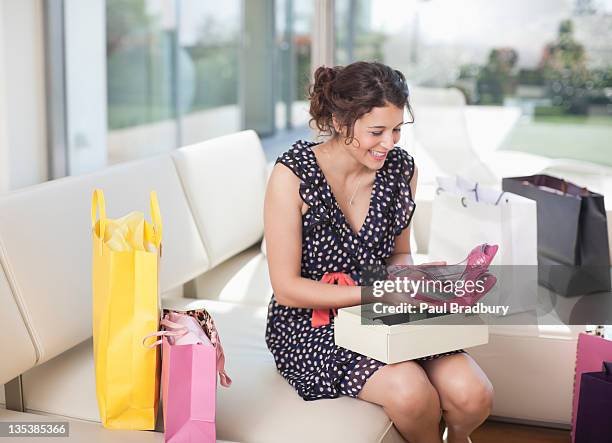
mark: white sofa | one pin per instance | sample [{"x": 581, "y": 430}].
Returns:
[{"x": 211, "y": 198}]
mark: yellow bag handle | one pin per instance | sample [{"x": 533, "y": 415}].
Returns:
[
  {"x": 97, "y": 201},
  {"x": 157, "y": 222}
]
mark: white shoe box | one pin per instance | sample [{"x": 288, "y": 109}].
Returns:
[{"x": 407, "y": 341}]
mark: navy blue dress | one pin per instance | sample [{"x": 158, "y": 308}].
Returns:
[{"x": 307, "y": 357}]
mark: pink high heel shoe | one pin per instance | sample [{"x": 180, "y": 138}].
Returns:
[
  {"x": 476, "y": 262},
  {"x": 473, "y": 268},
  {"x": 479, "y": 259}
]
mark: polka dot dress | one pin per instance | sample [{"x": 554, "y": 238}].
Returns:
[{"x": 307, "y": 357}]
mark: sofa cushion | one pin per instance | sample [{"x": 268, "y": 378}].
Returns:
[
  {"x": 15, "y": 343},
  {"x": 241, "y": 279},
  {"x": 64, "y": 385},
  {"x": 46, "y": 245},
  {"x": 224, "y": 179},
  {"x": 260, "y": 406}
]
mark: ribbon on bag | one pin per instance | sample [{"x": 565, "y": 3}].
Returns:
[
  {"x": 187, "y": 330},
  {"x": 320, "y": 317},
  {"x": 208, "y": 324}
]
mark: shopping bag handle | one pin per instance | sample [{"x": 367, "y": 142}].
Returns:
[
  {"x": 224, "y": 378},
  {"x": 97, "y": 203},
  {"x": 153, "y": 230},
  {"x": 156, "y": 236},
  {"x": 160, "y": 334},
  {"x": 179, "y": 331}
]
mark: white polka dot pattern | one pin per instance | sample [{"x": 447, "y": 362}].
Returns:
[{"x": 305, "y": 356}]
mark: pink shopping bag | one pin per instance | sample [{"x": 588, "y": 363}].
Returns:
[
  {"x": 591, "y": 352},
  {"x": 189, "y": 384},
  {"x": 191, "y": 358}
]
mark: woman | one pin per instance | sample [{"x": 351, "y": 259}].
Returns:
[{"x": 338, "y": 206}]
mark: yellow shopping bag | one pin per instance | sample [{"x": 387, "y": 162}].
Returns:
[{"x": 126, "y": 307}]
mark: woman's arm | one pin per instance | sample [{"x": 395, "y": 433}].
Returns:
[
  {"x": 402, "y": 254},
  {"x": 283, "y": 232}
]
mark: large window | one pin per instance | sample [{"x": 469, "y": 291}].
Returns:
[
  {"x": 183, "y": 71},
  {"x": 293, "y": 55},
  {"x": 549, "y": 61},
  {"x": 140, "y": 52},
  {"x": 358, "y": 37},
  {"x": 208, "y": 61},
  {"x": 173, "y": 68}
]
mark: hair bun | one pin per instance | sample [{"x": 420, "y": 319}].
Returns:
[
  {"x": 323, "y": 77},
  {"x": 321, "y": 106}
]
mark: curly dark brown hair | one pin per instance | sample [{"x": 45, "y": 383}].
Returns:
[{"x": 346, "y": 93}]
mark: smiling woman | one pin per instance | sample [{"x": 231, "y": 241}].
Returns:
[
  {"x": 341, "y": 95},
  {"x": 337, "y": 207}
]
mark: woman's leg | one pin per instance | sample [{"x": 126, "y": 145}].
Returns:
[
  {"x": 466, "y": 394},
  {"x": 408, "y": 398}
]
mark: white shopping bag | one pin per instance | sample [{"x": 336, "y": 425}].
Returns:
[{"x": 465, "y": 214}]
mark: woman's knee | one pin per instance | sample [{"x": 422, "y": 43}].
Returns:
[
  {"x": 473, "y": 398},
  {"x": 412, "y": 395}
]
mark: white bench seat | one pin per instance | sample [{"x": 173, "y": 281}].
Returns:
[{"x": 260, "y": 406}]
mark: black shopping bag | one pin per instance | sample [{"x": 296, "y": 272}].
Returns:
[
  {"x": 573, "y": 254},
  {"x": 594, "y": 419}
]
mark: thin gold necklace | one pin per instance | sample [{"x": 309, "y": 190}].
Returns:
[
  {"x": 350, "y": 202},
  {"x": 355, "y": 191}
]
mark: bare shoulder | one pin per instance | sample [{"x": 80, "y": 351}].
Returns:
[
  {"x": 282, "y": 176},
  {"x": 284, "y": 185}
]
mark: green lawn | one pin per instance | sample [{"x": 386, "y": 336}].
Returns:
[
  {"x": 574, "y": 119},
  {"x": 574, "y": 137}
]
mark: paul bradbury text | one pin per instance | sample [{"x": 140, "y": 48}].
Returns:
[{"x": 448, "y": 308}]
